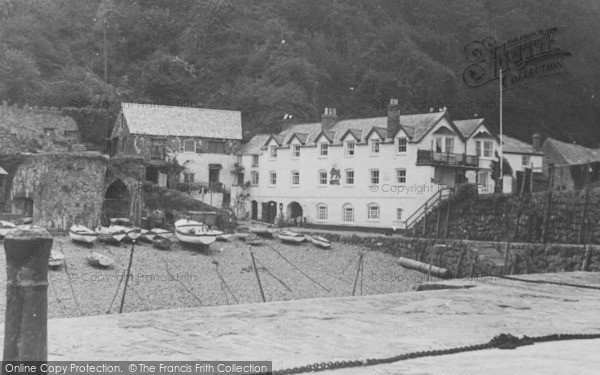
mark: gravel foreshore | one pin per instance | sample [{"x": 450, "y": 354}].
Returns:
[{"x": 186, "y": 276}]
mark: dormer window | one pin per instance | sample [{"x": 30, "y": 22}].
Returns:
[
  {"x": 323, "y": 149},
  {"x": 255, "y": 160},
  {"x": 401, "y": 144},
  {"x": 350, "y": 148},
  {"x": 295, "y": 151},
  {"x": 375, "y": 143},
  {"x": 273, "y": 150}
]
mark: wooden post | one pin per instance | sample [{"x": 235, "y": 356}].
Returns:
[
  {"x": 447, "y": 217},
  {"x": 425, "y": 220},
  {"x": 587, "y": 258},
  {"x": 439, "y": 216},
  {"x": 547, "y": 210},
  {"x": 358, "y": 270},
  {"x": 506, "y": 257},
  {"x": 262, "y": 293},
  {"x": 26, "y": 323},
  {"x": 460, "y": 258},
  {"x": 519, "y": 213},
  {"x": 583, "y": 224},
  {"x": 127, "y": 277}
]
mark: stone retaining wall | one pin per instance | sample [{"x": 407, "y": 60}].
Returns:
[
  {"x": 476, "y": 258},
  {"x": 569, "y": 217}
]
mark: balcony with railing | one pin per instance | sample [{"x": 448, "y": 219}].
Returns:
[{"x": 430, "y": 157}]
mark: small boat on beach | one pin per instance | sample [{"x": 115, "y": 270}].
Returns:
[
  {"x": 162, "y": 233},
  {"x": 162, "y": 243},
  {"x": 224, "y": 236},
  {"x": 79, "y": 233},
  {"x": 56, "y": 259},
  {"x": 5, "y": 226},
  {"x": 242, "y": 233},
  {"x": 262, "y": 229},
  {"x": 97, "y": 259},
  {"x": 193, "y": 232},
  {"x": 119, "y": 231},
  {"x": 254, "y": 240},
  {"x": 319, "y": 241},
  {"x": 147, "y": 236},
  {"x": 289, "y": 236},
  {"x": 133, "y": 234},
  {"x": 106, "y": 234}
]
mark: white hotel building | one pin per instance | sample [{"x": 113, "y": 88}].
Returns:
[{"x": 372, "y": 172}]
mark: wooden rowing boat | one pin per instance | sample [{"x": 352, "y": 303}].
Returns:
[
  {"x": 119, "y": 231},
  {"x": 242, "y": 233},
  {"x": 5, "y": 226},
  {"x": 262, "y": 229},
  {"x": 253, "y": 240},
  {"x": 193, "y": 232},
  {"x": 79, "y": 233},
  {"x": 162, "y": 243},
  {"x": 162, "y": 233},
  {"x": 319, "y": 241},
  {"x": 289, "y": 236},
  {"x": 56, "y": 259},
  {"x": 106, "y": 234},
  {"x": 97, "y": 259},
  {"x": 224, "y": 236}
]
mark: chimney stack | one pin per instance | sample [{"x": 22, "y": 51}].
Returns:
[
  {"x": 328, "y": 118},
  {"x": 393, "y": 118},
  {"x": 287, "y": 122},
  {"x": 537, "y": 141}
]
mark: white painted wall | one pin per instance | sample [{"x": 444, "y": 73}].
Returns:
[{"x": 388, "y": 194}]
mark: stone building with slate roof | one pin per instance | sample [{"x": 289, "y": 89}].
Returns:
[
  {"x": 574, "y": 165},
  {"x": 201, "y": 140},
  {"x": 371, "y": 172}
]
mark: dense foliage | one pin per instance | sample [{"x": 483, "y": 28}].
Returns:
[{"x": 272, "y": 57}]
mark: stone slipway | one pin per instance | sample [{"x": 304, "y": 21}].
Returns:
[{"x": 295, "y": 333}]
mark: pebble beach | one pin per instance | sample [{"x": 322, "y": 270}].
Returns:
[{"x": 188, "y": 276}]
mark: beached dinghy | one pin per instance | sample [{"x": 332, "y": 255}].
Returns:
[
  {"x": 56, "y": 259},
  {"x": 79, "y": 233},
  {"x": 162, "y": 243},
  {"x": 5, "y": 226},
  {"x": 106, "y": 234},
  {"x": 193, "y": 232},
  {"x": 319, "y": 241},
  {"x": 97, "y": 259},
  {"x": 119, "y": 232},
  {"x": 289, "y": 236},
  {"x": 133, "y": 234},
  {"x": 254, "y": 240},
  {"x": 262, "y": 229},
  {"x": 224, "y": 236},
  {"x": 162, "y": 233},
  {"x": 243, "y": 233}
]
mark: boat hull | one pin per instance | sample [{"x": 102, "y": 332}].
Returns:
[
  {"x": 82, "y": 234},
  {"x": 290, "y": 237},
  {"x": 196, "y": 239},
  {"x": 99, "y": 260},
  {"x": 319, "y": 241},
  {"x": 162, "y": 243}
]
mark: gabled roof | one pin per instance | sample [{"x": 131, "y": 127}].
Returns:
[
  {"x": 254, "y": 145},
  {"x": 469, "y": 126},
  {"x": 417, "y": 126},
  {"x": 329, "y": 135},
  {"x": 381, "y": 132},
  {"x": 574, "y": 154},
  {"x": 514, "y": 146},
  {"x": 357, "y": 134},
  {"x": 182, "y": 121},
  {"x": 278, "y": 138},
  {"x": 302, "y": 137}
]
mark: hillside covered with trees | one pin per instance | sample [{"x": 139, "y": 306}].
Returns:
[{"x": 272, "y": 57}]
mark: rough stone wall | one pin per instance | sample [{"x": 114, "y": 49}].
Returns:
[
  {"x": 569, "y": 216},
  {"x": 52, "y": 181},
  {"x": 475, "y": 258},
  {"x": 22, "y": 130}
]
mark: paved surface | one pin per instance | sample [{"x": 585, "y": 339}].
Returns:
[{"x": 294, "y": 333}]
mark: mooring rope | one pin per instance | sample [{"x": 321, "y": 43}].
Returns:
[
  {"x": 69, "y": 279},
  {"x": 180, "y": 282},
  {"x": 502, "y": 341},
  {"x": 298, "y": 269},
  {"x": 275, "y": 277},
  {"x": 533, "y": 281},
  {"x": 224, "y": 282}
]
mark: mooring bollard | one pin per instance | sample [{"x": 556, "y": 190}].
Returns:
[{"x": 27, "y": 251}]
